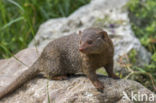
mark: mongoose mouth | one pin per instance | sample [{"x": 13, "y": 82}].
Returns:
[{"x": 81, "y": 49}]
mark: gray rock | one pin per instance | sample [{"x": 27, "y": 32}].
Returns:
[
  {"x": 77, "y": 89},
  {"x": 111, "y": 15}
]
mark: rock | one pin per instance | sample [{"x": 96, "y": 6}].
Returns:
[
  {"x": 77, "y": 89},
  {"x": 111, "y": 15}
]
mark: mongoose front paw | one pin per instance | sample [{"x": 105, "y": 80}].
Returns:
[{"x": 99, "y": 86}]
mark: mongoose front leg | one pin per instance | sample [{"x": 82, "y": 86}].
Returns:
[
  {"x": 109, "y": 70},
  {"x": 93, "y": 78}
]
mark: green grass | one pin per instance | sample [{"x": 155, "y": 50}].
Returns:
[{"x": 20, "y": 19}]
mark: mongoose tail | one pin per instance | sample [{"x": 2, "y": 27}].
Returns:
[{"x": 20, "y": 80}]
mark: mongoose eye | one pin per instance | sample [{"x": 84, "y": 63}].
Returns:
[{"x": 89, "y": 42}]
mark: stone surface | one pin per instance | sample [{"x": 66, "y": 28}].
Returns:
[
  {"x": 75, "y": 90},
  {"x": 111, "y": 15}
]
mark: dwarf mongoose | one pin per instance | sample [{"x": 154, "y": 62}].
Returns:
[{"x": 83, "y": 52}]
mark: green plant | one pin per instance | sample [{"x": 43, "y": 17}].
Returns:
[
  {"x": 132, "y": 56},
  {"x": 142, "y": 15},
  {"x": 20, "y": 19},
  {"x": 143, "y": 20}
]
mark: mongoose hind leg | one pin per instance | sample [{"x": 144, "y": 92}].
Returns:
[{"x": 52, "y": 65}]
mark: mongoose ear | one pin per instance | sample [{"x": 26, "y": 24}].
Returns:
[{"x": 103, "y": 34}]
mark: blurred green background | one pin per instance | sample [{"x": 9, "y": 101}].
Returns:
[
  {"x": 20, "y": 19},
  {"x": 142, "y": 14}
]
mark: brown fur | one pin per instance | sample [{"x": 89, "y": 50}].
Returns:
[{"x": 71, "y": 54}]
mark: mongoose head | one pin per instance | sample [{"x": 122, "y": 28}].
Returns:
[{"x": 93, "y": 41}]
